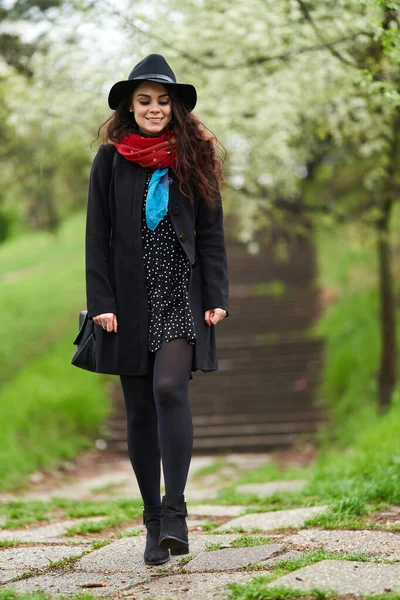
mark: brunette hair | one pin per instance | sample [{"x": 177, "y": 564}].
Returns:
[{"x": 199, "y": 166}]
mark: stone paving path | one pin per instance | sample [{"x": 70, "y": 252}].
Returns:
[{"x": 45, "y": 557}]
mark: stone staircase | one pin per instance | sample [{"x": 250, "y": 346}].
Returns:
[{"x": 265, "y": 393}]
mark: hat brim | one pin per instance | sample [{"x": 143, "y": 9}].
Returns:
[{"x": 120, "y": 90}]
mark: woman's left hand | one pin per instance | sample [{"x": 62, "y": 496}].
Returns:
[{"x": 214, "y": 315}]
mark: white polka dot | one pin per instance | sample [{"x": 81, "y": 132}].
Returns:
[{"x": 167, "y": 276}]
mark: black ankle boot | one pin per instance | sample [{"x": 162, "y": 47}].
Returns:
[
  {"x": 174, "y": 531},
  {"x": 153, "y": 554}
]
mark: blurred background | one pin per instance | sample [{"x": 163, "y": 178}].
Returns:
[{"x": 305, "y": 98}]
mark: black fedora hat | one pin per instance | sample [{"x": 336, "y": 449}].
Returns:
[{"x": 153, "y": 67}]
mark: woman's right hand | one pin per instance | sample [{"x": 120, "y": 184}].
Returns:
[{"x": 108, "y": 321}]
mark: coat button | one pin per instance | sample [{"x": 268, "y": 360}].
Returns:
[
  {"x": 182, "y": 237},
  {"x": 170, "y": 181},
  {"x": 193, "y": 264},
  {"x": 176, "y": 210}
]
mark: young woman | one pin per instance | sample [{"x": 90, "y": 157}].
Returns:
[{"x": 156, "y": 279}]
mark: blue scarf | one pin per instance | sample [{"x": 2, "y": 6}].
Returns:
[{"x": 157, "y": 198}]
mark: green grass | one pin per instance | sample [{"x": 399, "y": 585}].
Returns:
[
  {"x": 256, "y": 503},
  {"x": 41, "y": 302},
  {"x": 350, "y": 327},
  {"x": 248, "y": 541},
  {"x": 210, "y": 526},
  {"x": 87, "y": 527},
  {"x": 49, "y": 411},
  {"x": 100, "y": 544},
  {"x": 131, "y": 533},
  {"x": 38, "y": 247},
  {"x": 237, "y": 530},
  {"x": 9, "y": 594},
  {"x": 212, "y": 468},
  {"x": 358, "y": 470},
  {"x": 18, "y": 513},
  {"x": 9, "y": 543},
  {"x": 133, "y": 508},
  {"x": 256, "y": 588},
  {"x": 271, "y": 471},
  {"x": 214, "y": 546}
]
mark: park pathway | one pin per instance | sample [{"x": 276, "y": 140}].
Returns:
[{"x": 228, "y": 544}]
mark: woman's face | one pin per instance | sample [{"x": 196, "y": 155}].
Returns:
[{"x": 152, "y": 108}]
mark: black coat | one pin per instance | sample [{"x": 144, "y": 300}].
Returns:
[{"x": 115, "y": 272}]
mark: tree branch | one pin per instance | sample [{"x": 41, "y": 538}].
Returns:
[
  {"x": 298, "y": 207},
  {"x": 307, "y": 15},
  {"x": 285, "y": 56}
]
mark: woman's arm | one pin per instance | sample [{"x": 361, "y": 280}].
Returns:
[
  {"x": 99, "y": 293},
  {"x": 210, "y": 243}
]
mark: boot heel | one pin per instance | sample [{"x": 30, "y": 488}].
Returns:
[
  {"x": 153, "y": 554},
  {"x": 173, "y": 529},
  {"x": 179, "y": 551}
]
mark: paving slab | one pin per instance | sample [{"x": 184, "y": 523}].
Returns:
[
  {"x": 199, "y": 462},
  {"x": 120, "y": 476},
  {"x": 343, "y": 577},
  {"x": 214, "y": 510},
  {"x": 126, "y": 554},
  {"x": 56, "y": 584},
  {"x": 294, "y": 517},
  {"x": 374, "y": 543},
  {"x": 36, "y": 556},
  {"x": 200, "y": 494},
  {"x": 292, "y": 554},
  {"x": 45, "y": 533},
  {"x": 233, "y": 558},
  {"x": 272, "y": 487},
  {"x": 83, "y": 488},
  {"x": 8, "y": 575},
  {"x": 195, "y": 523},
  {"x": 196, "y": 586},
  {"x": 249, "y": 460}
]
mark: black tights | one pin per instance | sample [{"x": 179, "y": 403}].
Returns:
[{"x": 159, "y": 420}]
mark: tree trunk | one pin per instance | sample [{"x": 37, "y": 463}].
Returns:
[{"x": 387, "y": 371}]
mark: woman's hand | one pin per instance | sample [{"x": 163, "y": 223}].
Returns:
[
  {"x": 107, "y": 321},
  {"x": 214, "y": 315}
]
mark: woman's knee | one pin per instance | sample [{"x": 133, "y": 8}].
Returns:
[{"x": 166, "y": 391}]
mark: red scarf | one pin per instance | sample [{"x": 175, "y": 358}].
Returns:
[{"x": 157, "y": 152}]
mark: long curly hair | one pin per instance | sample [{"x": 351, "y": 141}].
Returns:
[{"x": 199, "y": 166}]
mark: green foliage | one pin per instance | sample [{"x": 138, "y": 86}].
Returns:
[
  {"x": 209, "y": 526},
  {"x": 271, "y": 471},
  {"x": 211, "y": 469},
  {"x": 10, "y": 594},
  {"x": 53, "y": 396},
  {"x": 257, "y": 590},
  {"x": 248, "y": 541},
  {"x": 214, "y": 546},
  {"x": 350, "y": 328},
  {"x": 42, "y": 283},
  {"x": 298, "y": 88},
  {"x": 367, "y": 473},
  {"x": 17, "y": 513},
  {"x": 87, "y": 527}
]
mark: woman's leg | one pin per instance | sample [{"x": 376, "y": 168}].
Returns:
[
  {"x": 142, "y": 435},
  {"x": 171, "y": 387}
]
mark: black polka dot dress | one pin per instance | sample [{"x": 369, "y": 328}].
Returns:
[{"x": 167, "y": 277}]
